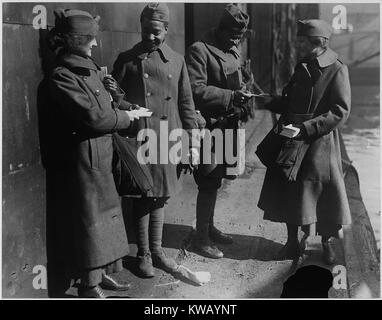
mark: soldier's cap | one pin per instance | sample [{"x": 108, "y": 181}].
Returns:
[
  {"x": 234, "y": 20},
  {"x": 158, "y": 11},
  {"x": 76, "y": 22},
  {"x": 314, "y": 28}
]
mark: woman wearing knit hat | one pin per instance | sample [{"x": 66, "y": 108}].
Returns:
[
  {"x": 87, "y": 224},
  {"x": 304, "y": 186}
]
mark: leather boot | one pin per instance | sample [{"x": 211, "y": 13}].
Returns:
[
  {"x": 161, "y": 261},
  {"x": 91, "y": 292},
  {"x": 108, "y": 283},
  {"x": 328, "y": 254},
  {"x": 206, "y": 249},
  {"x": 205, "y": 207},
  {"x": 290, "y": 251},
  {"x": 219, "y": 237},
  {"x": 145, "y": 265}
]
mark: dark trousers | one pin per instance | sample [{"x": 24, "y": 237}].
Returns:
[
  {"x": 205, "y": 204},
  {"x": 148, "y": 218}
]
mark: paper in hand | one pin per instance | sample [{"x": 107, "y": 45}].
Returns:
[
  {"x": 104, "y": 72},
  {"x": 143, "y": 112},
  {"x": 289, "y": 131}
]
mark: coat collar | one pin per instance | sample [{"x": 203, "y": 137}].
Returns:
[
  {"x": 327, "y": 58},
  {"x": 71, "y": 60},
  {"x": 213, "y": 45},
  {"x": 164, "y": 50}
]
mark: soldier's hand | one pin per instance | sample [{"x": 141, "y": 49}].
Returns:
[
  {"x": 194, "y": 157},
  {"x": 240, "y": 97},
  {"x": 110, "y": 84},
  {"x": 239, "y": 113},
  {"x": 193, "y": 161}
]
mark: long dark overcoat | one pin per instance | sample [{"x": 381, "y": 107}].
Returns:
[
  {"x": 79, "y": 168},
  {"x": 214, "y": 75},
  {"x": 319, "y": 193},
  {"x": 159, "y": 81}
]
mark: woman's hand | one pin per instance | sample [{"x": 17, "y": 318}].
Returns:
[
  {"x": 302, "y": 134},
  {"x": 262, "y": 100},
  {"x": 110, "y": 84},
  {"x": 133, "y": 114}
]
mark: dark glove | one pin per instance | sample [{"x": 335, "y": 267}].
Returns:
[
  {"x": 240, "y": 98},
  {"x": 239, "y": 113}
]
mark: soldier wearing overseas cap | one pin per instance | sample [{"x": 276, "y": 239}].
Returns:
[
  {"x": 86, "y": 236},
  {"x": 216, "y": 80},
  {"x": 154, "y": 76},
  {"x": 317, "y": 101}
]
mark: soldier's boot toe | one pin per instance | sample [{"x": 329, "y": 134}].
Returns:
[
  {"x": 207, "y": 249},
  {"x": 162, "y": 261},
  {"x": 219, "y": 237}
]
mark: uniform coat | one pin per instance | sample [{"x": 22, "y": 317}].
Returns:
[
  {"x": 79, "y": 168},
  {"x": 319, "y": 193},
  {"x": 158, "y": 81},
  {"x": 214, "y": 75}
]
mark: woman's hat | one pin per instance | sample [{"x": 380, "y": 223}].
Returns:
[
  {"x": 314, "y": 28},
  {"x": 76, "y": 22}
]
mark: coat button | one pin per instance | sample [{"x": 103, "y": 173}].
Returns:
[
  {"x": 169, "y": 76},
  {"x": 168, "y": 98},
  {"x": 146, "y": 75},
  {"x": 85, "y": 78},
  {"x": 97, "y": 92},
  {"x": 148, "y": 94}
]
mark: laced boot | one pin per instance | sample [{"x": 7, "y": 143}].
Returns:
[
  {"x": 162, "y": 261},
  {"x": 145, "y": 265}
]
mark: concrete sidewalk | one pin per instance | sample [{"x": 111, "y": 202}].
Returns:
[{"x": 249, "y": 268}]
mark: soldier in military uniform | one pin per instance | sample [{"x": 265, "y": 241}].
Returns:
[
  {"x": 154, "y": 76},
  {"x": 216, "y": 80}
]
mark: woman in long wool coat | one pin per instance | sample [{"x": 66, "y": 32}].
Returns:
[
  {"x": 87, "y": 212},
  {"x": 319, "y": 94}
]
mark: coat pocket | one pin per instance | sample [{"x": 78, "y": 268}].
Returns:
[
  {"x": 290, "y": 158},
  {"x": 288, "y": 153}
]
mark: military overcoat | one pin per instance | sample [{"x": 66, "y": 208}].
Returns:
[
  {"x": 159, "y": 81},
  {"x": 320, "y": 87},
  {"x": 214, "y": 74},
  {"x": 88, "y": 212}
]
